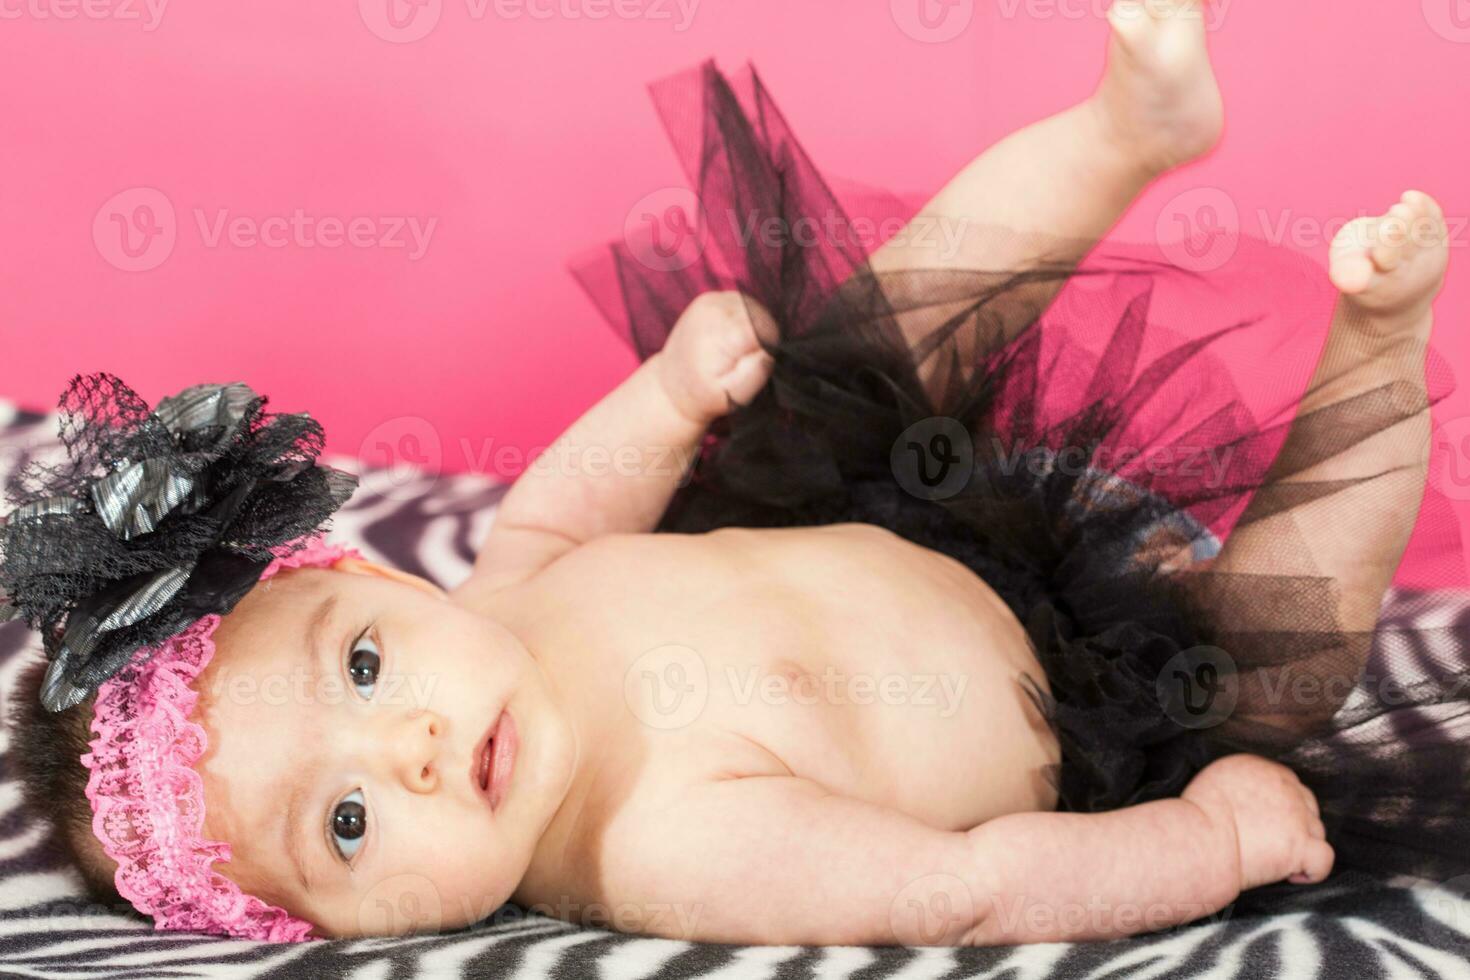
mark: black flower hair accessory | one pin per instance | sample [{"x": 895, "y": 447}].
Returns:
[{"x": 157, "y": 519}]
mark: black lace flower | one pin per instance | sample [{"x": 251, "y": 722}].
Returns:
[{"x": 157, "y": 519}]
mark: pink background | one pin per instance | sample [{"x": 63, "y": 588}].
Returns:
[{"x": 528, "y": 139}]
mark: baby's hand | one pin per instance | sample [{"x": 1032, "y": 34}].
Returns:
[
  {"x": 1278, "y": 829},
  {"x": 713, "y": 355}
]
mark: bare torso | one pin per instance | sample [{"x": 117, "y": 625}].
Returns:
[{"x": 845, "y": 655}]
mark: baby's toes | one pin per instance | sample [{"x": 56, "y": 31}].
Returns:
[
  {"x": 1393, "y": 263},
  {"x": 1387, "y": 251},
  {"x": 1352, "y": 262}
]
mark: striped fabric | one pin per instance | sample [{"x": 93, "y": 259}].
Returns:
[{"x": 1352, "y": 927}]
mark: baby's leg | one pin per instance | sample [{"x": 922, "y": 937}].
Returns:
[
  {"x": 1364, "y": 424},
  {"x": 1050, "y": 192}
]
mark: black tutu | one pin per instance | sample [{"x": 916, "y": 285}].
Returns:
[{"x": 1107, "y": 444}]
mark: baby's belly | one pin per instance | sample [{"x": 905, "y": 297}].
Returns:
[{"x": 894, "y": 675}]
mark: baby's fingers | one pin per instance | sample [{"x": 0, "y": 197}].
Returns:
[
  {"x": 747, "y": 377},
  {"x": 1316, "y": 863},
  {"x": 1311, "y": 800}
]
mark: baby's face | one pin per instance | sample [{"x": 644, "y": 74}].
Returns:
[{"x": 348, "y": 712}]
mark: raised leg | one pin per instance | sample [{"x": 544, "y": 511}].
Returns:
[
  {"x": 1050, "y": 192},
  {"x": 1343, "y": 495}
]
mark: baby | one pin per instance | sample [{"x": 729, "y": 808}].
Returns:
[{"x": 733, "y": 736}]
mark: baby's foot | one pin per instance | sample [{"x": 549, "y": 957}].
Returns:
[
  {"x": 1389, "y": 269},
  {"x": 1159, "y": 98}
]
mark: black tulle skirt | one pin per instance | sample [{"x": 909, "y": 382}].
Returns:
[{"x": 1087, "y": 438}]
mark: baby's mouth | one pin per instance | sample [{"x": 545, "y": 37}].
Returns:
[
  {"x": 496, "y": 759},
  {"x": 485, "y": 755}
]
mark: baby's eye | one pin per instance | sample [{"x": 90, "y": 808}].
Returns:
[
  {"x": 349, "y": 823},
  {"x": 362, "y": 666}
]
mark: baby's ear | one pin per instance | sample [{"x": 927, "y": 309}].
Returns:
[{"x": 361, "y": 566}]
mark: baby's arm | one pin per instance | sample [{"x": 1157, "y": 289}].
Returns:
[
  {"x": 617, "y": 467},
  {"x": 779, "y": 860}
]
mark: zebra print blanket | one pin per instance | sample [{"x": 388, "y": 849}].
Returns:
[{"x": 1350, "y": 927}]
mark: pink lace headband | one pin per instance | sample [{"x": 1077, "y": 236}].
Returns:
[{"x": 147, "y": 800}]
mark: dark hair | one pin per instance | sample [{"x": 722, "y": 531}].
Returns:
[{"x": 46, "y": 750}]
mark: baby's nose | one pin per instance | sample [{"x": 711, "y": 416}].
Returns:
[{"x": 415, "y": 750}]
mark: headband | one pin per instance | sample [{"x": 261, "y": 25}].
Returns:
[{"x": 125, "y": 557}]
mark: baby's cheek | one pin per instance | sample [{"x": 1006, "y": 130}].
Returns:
[{"x": 451, "y": 877}]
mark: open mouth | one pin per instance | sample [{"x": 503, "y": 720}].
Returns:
[{"x": 496, "y": 760}]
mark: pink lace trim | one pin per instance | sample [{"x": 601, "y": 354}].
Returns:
[{"x": 147, "y": 800}]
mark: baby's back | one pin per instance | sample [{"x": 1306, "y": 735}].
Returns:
[{"x": 843, "y": 655}]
